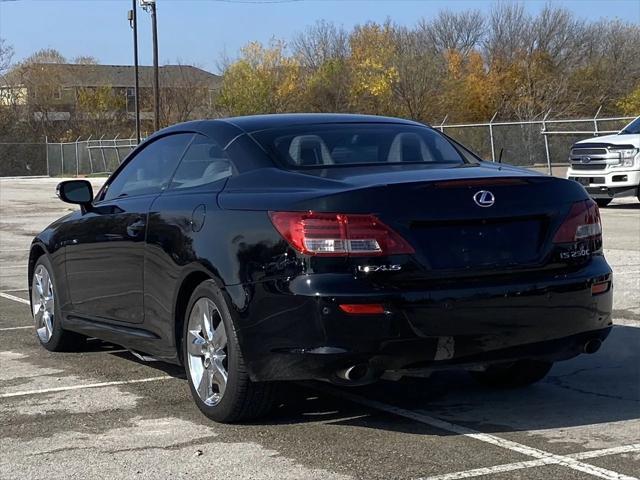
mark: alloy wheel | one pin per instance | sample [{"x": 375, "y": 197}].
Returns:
[
  {"x": 43, "y": 303},
  {"x": 207, "y": 351}
]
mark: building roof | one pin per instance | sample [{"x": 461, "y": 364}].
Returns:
[{"x": 72, "y": 75}]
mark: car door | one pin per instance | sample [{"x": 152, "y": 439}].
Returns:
[
  {"x": 106, "y": 250},
  {"x": 183, "y": 226}
]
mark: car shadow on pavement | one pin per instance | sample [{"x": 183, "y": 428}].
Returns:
[
  {"x": 175, "y": 371},
  {"x": 587, "y": 390}
]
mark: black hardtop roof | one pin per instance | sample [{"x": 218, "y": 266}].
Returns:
[{"x": 253, "y": 123}]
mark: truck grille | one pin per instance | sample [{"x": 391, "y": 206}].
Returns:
[
  {"x": 588, "y": 166},
  {"x": 588, "y": 151}
]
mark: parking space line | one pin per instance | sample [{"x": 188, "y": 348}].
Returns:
[
  {"x": 477, "y": 472},
  {"x": 541, "y": 455},
  {"x": 8, "y": 296},
  {"x": 25, "y": 393},
  {"x": 634, "y": 447},
  {"x": 509, "y": 467},
  {"x": 15, "y": 328}
]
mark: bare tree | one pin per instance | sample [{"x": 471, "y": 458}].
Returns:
[
  {"x": 461, "y": 31},
  {"x": 320, "y": 43},
  {"x": 322, "y": 52},
  {"x": 86, "y": 60},
  {"x": 508, "y": 31},
  {"x": 46, "y": 55},
  {"x": 37, "y": 93},
  {"x": 189, "y": 97},
  {"x": 420, "y": 74},
  {"x": 6, "y": 55},
  {"x": 558, "y": 33},
  {"x": 606, "y": 47}
]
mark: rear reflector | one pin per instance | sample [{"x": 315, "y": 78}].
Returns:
[
  {"x": 338, "y": 234},
  {"x": 362, "y": 308},
  {"x": 583, "y": 222},
  {"x": 601, "y": 287}
]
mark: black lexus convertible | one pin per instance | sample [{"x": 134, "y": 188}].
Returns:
[{"x": 342, "y": 248}]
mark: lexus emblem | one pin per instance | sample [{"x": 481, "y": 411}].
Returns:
[{"x": 484, "y": 198}]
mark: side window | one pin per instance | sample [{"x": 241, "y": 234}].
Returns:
[
  {"x": 151, "y": 169},
  {"x": 204, "y": 162}
]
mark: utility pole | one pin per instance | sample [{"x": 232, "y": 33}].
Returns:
[
  {"x": 150, "y": 6},
  {"x": 133, "y": 20}
]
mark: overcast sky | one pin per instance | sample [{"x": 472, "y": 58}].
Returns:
[{"x": 200, "y": 31}]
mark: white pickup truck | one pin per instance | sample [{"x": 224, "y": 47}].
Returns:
[{"x": 608, "y": 166}]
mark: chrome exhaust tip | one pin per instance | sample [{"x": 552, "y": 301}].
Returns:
[
  {"x": 354, "y": 373},
  {"x": 592, "y": 346}
]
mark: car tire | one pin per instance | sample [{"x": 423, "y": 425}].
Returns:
[
  {"x": 209, "y": 364},
  {"x": 513, "y": 375},
  {"x": 603, "y": 202},
  {"x": 46, "y": 311}
]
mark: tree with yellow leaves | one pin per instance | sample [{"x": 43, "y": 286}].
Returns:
[
  {"x": 374, "y": 74},
  {"x": 630, "y": 105},
  {"x": 262, "y": 80}
]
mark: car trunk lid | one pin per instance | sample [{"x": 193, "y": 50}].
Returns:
[{"x": 458, "y": 220}]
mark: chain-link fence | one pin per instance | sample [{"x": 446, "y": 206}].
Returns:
[
  {"x": 86, "y": 157},
  {"x": 540, "y": 142},
  {"x": 18, "y": 159},
  {"x": 536, "y": 143}
]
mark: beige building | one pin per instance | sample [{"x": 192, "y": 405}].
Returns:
[{"x": 55, "y": 90}]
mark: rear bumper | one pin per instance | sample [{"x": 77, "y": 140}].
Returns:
[
  {"x": 608, "y": 185},
  {"x": 294, "y": 330}
]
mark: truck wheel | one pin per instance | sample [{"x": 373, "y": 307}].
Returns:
[
  {"x": 215, "y": 368},
  {"x": 603, "y": 202},
  {"x": 512, "y": 375}
]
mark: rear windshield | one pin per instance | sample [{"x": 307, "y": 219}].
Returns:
[{"x": 309, "y": 146}]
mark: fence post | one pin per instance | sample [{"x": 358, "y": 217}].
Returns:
[
  {"x": 104, "y": 160},
  {"x": 46, "y": 154},
  {"x": 493, "y": 150},
  {"x": 442, "y": 124},
  {"x": 77, "y": 159},
  {"x": 115, "y": 146},
  {"x": 595, "y": 122},
  {"x": 61, "y": 159},
  {"x": 89, "y": 151},
  {"x": 546, "y": 142}
]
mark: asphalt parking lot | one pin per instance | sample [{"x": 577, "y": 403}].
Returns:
[{"x": 102, "y": 413}]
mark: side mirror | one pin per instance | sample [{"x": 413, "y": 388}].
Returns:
[{"x": 79, "y": 192}]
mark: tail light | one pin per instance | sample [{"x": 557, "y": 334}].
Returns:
[
  {"x": 362, "y": 308},
  {"x": 582, "y": 223},
  {"x": 338, "y": 234},
  {"x": 598, "y": 288}
]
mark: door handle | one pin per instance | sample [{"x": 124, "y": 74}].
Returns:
[{"x": 134, "y": 229}]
